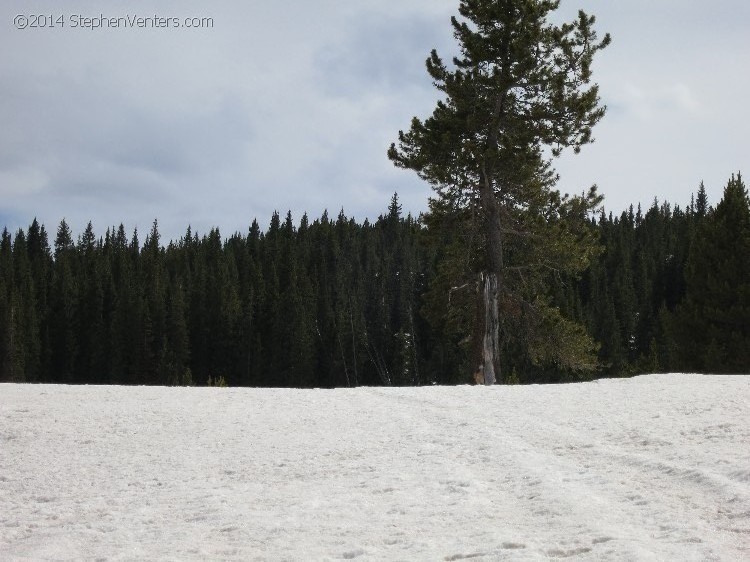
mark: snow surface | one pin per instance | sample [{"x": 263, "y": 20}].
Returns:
[{"x": 651, "y": 468}]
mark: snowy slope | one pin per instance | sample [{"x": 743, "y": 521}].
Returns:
[{"x": 652, "y": 468}]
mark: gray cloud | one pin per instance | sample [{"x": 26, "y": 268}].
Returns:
[
  {"x": 293, "y": 106},
  {"x": 384, "y": 57}
]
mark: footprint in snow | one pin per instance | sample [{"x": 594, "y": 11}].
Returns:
[
  {"x": 559, "y": 553},
  {"x": 602, "y": 540}
]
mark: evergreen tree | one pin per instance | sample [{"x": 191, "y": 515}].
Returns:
[
  {"x": 40, "y": 261},
  {"x": 519, "y": 88},
  {"x": 252, "y": 290},
  {"x": 91, "y": 354},
  {"x": 7, "y": 313},
  {"x": 701, "y": 202},
  {"x": 120, "y": 329},
  {"x": 24, "y": 326},
  {"x": 11, "y": 348},
  {"x": 155, "y": 283},
  {"x": 64, "y": 325}
]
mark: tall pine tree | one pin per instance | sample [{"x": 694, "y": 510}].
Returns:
[{"x": 518, "y": 93}]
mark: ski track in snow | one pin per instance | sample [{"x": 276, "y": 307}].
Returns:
[{"x": 651, "y": 468}]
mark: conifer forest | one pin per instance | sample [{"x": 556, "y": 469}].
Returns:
[{"x": 334, "y": 303}]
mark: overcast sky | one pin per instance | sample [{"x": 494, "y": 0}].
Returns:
[{"x": 292, "y": 105}]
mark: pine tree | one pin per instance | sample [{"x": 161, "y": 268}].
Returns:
[
  {"x": 91, "y": 357},
  {"x": 331, "y": 360},
  {"x": 155, "y": 285},
  {"x": 252, "y": 285},
  {"x": 120, "y": 328},
  {"x": 701, "y": 202},
  {"x": 40, "y": 259},
  {"x": 520, "y": 87},
  {"x": 64, "y": 324},
  {"x": 304, "y": 357},
  {"x": 7, "y": 313},
  {"x": 24, "y": 326},
  {"x": 6, "y": 335}
]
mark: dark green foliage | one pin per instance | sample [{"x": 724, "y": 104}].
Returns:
[
  {"x": 8, "y": 337},
  {"x": 332, "y": 303},
  {"x": 712, "y": 325},
  {"x": 336, "y": 303},
  {"x": 635, "y": 284},
  {"x": 670, "y": 291},
  {"x": 64, "y": 298}
]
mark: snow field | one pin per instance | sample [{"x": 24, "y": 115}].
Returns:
[{"x": 651, "y": 468}]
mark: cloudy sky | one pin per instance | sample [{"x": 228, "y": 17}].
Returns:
[{"x": 292, "y": 105}]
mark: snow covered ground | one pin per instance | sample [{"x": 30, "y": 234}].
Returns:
[{"x": 652, "y": 468}]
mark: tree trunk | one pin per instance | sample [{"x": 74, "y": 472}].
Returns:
[
  {"x": 491, "y": 280},
  {"x": 490, "y": 341}
]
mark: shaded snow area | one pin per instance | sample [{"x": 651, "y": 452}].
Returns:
[{"x": 651, "y": 468}]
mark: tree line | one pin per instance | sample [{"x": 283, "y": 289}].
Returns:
[
  {"x": 336, "y": 303},
  {"x": 671, "y": 289}
]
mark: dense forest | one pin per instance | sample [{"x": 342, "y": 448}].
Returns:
[{"x": 333, "y": 303}]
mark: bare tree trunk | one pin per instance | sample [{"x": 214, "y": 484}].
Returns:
[{"x": 490, "y": 341}]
